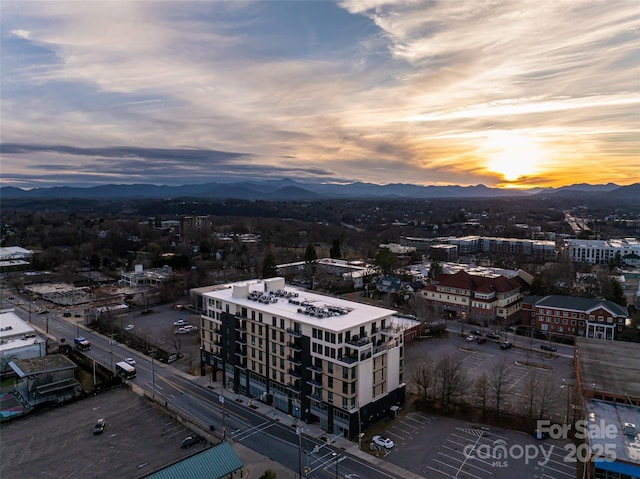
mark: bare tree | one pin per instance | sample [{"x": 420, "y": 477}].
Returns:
[
  {"x": 497, "y": 383},
  {"x": 424, "y": 378},
  {"x": 530, "y": 394},
  {"x": 451, "y": 377},
  {"x": 481, "y": 390},
  {"x": 547, "y": 397}
]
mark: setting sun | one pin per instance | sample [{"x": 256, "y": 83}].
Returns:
[{"x": 513, "y": 156}]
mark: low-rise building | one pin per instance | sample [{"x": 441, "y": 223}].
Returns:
[
  {"x": 316, "y": 357},
  {"x": 608, "y": 380},
  {"x": 18, "y": 340},
  {"x": 49, "y": 379},
  {"x": 142, "y": 277},
  {"x": 567, "y": 315},
  {"x": 483, "y": 299}
]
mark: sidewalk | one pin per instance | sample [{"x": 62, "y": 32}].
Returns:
[{"x": 256, "y": 463}]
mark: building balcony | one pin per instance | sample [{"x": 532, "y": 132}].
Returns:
[
  {"x": 241, "y": 328},
  {"x": 313, "y": 382},
  {"x": 293, "y": 386},
  {"x": 384, "y": 347},
  {"x": 295, "y": 346},
  {"x": 295, "y": 332},
  {"x": 241, "y": 340},
  {"x": 358, "y": 342},
  {"x": 294, "y": 373},
  {"x": 241, "y": 353},
  {"x": 349, "y": 359},
  {"x": 294, "y": 360},
  {"x": 314, "y": 368}
]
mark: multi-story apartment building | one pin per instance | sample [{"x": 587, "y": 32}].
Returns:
[
  {"x": 542, "y": 249},
  {"x": 484, "y": 299},
  {"x": 601, "y": 252},
  {"x": 589, "y": 317},
  {"x": 316, "y": 357},
  {"x": 190, "y": 226}
]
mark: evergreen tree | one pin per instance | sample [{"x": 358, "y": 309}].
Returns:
[
  {"x": 335, "y": 252},
  {"x": 269, "y": 269},
  {"x": 385, "y": 261},
  {"x": 311, "y": 263}
]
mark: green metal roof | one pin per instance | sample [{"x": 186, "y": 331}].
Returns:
[{"x": 216, "y": 462}]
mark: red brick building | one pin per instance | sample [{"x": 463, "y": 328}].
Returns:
[
  {"x": 588, "y": 317},
  {"x": 483, "y": 299}
]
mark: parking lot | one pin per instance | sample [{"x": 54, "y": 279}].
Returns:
[
  {"x": 522, "y": 364},
  {"x": 59, "y": 442},
  {"x": 442, "y": 448}
]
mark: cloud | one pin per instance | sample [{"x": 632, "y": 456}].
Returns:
[{"x": 372, "y": 90}]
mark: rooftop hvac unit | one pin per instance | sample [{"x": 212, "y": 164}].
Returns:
[{"x": 629, "y": 429}]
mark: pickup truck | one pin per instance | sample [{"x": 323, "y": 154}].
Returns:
[{"x": 82, "y": 344}]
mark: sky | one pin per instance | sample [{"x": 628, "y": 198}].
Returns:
[{"x": 510, "y": 94}]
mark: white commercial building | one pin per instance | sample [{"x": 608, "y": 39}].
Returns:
[{"x": 18, "y": 340}]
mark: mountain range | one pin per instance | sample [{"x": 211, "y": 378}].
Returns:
[{"x": 290, "y": 190}]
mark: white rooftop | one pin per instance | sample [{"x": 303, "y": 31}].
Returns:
[
  {"x": 608, "y": 422},
  {"x": 336, "y": 314},
  {"x": 11, "y": 325}
]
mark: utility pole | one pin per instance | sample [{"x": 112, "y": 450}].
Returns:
[
  {"x": 153, "y": 374},
  {"x": 299, "y": 433},
  {"x": 224, "y": 426},
  {"x": 111, "y": 351}
]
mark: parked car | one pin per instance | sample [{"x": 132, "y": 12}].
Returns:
[
  {"x": 66, "y": 314},
  {"x": 476, "y": 332},
  {"x": 129, "y": 327},
  {"x": 99, "y": 427},
  {"x": 190, "y": 329},
  {"x": 130, "y": 361},
  {"x": 180, "y": 322},
  {"x": 505, "y": 344},
  {"x": 481, "y": 340},
  {"x": 189, "y": 441},
  {"x": 509, "y": 328},
  {"x": 547, "y": 347},
  {"x": 492, "y": 335},
  {"x": 181, "y": 331},
  {"x": 383, "y": 441},
  {"x": 471, "y": 338}
]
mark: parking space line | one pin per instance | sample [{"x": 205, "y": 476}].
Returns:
[
  {"x": 477, "y": 459},
  {"x": 414, "y": 420},
  {"x": 408, "y": 432},
  {"x": 562, "y": 464},
  {"x": 406, "y": 424}
]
